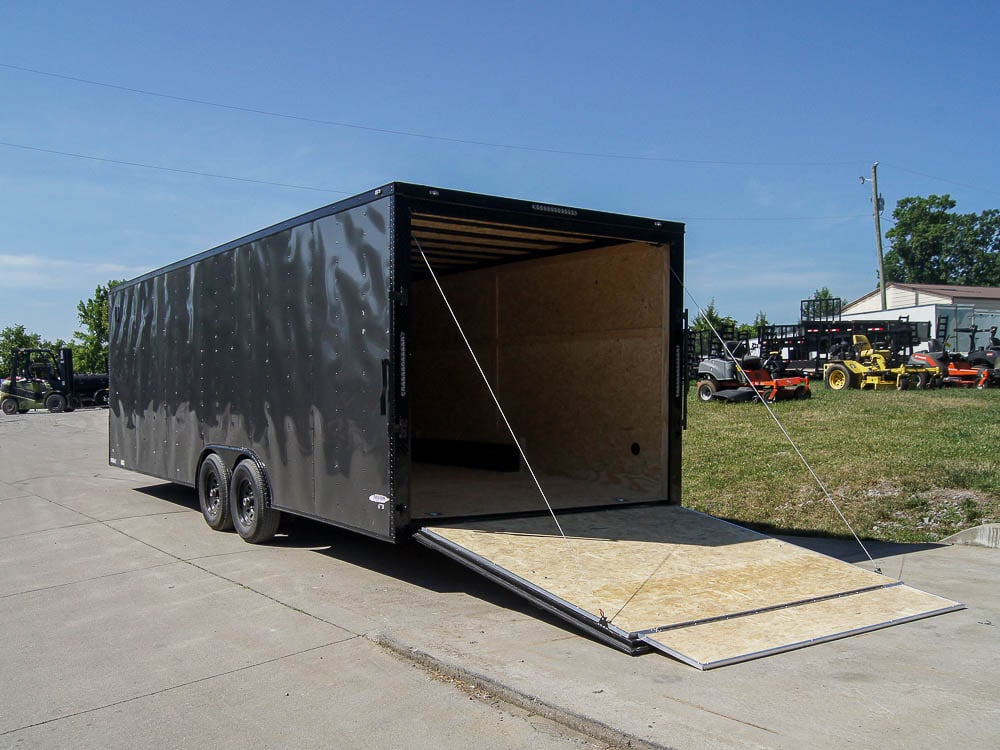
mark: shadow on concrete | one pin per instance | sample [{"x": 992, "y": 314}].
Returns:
[
  {"x": 848, "y": 550},
  {"x": 841, "y": 546},
  {"x": 172, "y": 493},
  {"x": 411, "y": 563},
  {"x": 408, "y": 561}
]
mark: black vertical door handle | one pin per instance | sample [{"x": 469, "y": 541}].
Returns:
[{"x": 385, "y": 386}]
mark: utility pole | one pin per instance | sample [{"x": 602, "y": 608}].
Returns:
[{"x": 876, "y": 200}]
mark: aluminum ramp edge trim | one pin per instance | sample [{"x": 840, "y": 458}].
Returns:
[
  {"x": 703, "y": 666},
  {"x": 609, "y": 634}
]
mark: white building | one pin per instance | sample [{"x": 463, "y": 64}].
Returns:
[{"x": 948, "y": 309}]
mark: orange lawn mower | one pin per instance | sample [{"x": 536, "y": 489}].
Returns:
[{"x": 740, "y": 377}]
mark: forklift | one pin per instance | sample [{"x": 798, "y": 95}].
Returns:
[{"x": 39, "y": 379}]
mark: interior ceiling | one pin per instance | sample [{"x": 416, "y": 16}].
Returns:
[{"x": 452, "y": 244}]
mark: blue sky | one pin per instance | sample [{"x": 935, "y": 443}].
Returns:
[{"x": 750, "y": 122}]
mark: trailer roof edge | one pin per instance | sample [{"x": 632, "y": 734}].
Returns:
[{"x": 426, "y": 193}]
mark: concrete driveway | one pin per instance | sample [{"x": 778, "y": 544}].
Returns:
[{"x": 128, "y": 622}]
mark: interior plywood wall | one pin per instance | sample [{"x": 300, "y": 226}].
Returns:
[{"x": 574, "y": 347}]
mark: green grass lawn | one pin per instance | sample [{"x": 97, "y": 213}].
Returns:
[{"x": 909, "y": 466}]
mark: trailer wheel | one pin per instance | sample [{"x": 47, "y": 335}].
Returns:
[
  {"x": 55, "y": 403},
  {"x": 838, "y": 378},
  {"x": 706, "y": 390},
  {"x": 9, "y": 406},
  {"x": 213, "y": 493},
  {"x": 253, "y": 519}
]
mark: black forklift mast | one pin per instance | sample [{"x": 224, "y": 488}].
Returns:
[{"x": 66, "y": 371}]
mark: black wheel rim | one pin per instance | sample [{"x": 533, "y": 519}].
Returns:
[
  {"x": 213, "y": 495},
  {"x": 245, "y": 503}
]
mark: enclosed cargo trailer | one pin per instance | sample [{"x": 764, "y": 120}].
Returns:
[{"x": 315, "y": 368}]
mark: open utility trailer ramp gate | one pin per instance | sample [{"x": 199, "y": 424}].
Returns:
[
  {"x": 705, "y": 591},
  {"x": 321, "y": 349}
]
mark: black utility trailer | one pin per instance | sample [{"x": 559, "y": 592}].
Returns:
[
  {"x": 313, "y": 368},
  {"x": 807, "y": 345}
]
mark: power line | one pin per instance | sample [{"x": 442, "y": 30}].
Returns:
[
  {"x": 170, "y": 169},
  {"x": 943, "y": 179},
  {"x": 271, "y": 183},
  {"x": 771, "y": 218},
  {"x": 427, "y": 136}
]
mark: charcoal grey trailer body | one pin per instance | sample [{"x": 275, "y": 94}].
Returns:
[
  {"x": 314, "y": 368},
  {"x": 320, "y": 348}
]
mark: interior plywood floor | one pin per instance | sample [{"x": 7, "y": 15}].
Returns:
[
  {"x": 449, "y": 491},
  {"x": 694, "y": 586}
]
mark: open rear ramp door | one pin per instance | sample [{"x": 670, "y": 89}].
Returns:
[{"x": 664, "y": 577}]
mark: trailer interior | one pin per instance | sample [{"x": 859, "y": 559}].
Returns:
[{"x": 571, "y": 330}]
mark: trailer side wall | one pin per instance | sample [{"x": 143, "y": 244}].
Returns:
[{"x": 274, "y": 346}]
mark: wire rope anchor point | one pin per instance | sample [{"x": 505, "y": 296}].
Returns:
[{"x": 603, "y": 622}]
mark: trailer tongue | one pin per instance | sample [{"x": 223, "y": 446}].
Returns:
[{"x": 667, "y": 578}]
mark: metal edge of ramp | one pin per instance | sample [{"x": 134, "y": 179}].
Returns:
[
  {"x": 545, "y": 600},
  {"x": 805, "y": 624}
]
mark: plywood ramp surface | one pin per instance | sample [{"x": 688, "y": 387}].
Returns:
[
  {"x": 722, "y": 642},
  {"x": 687, "y": 583}
]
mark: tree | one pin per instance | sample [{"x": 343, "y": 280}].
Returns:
[
  {"x": 932, "y": 245},
  {"x": 91, "y": 354},
  {"x": 15, "y": 337},
  {"x": 711, "y": 318}
]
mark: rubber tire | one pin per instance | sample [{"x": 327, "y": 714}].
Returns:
[
  {"x": 101, "y": 398},
  {"x": 842, "y": 378},
  {"x": 253, "y": 519},
  {"x": 921, "y": 381},
  {"x": 903, "y": 383},
  {"x": 213, "y": 493},
  {"x": 706, "y": 390},
  {"x": 801, "y": 394},
  {"x": 9, "y": 406},
  {"x": 55, "y": 403}
]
